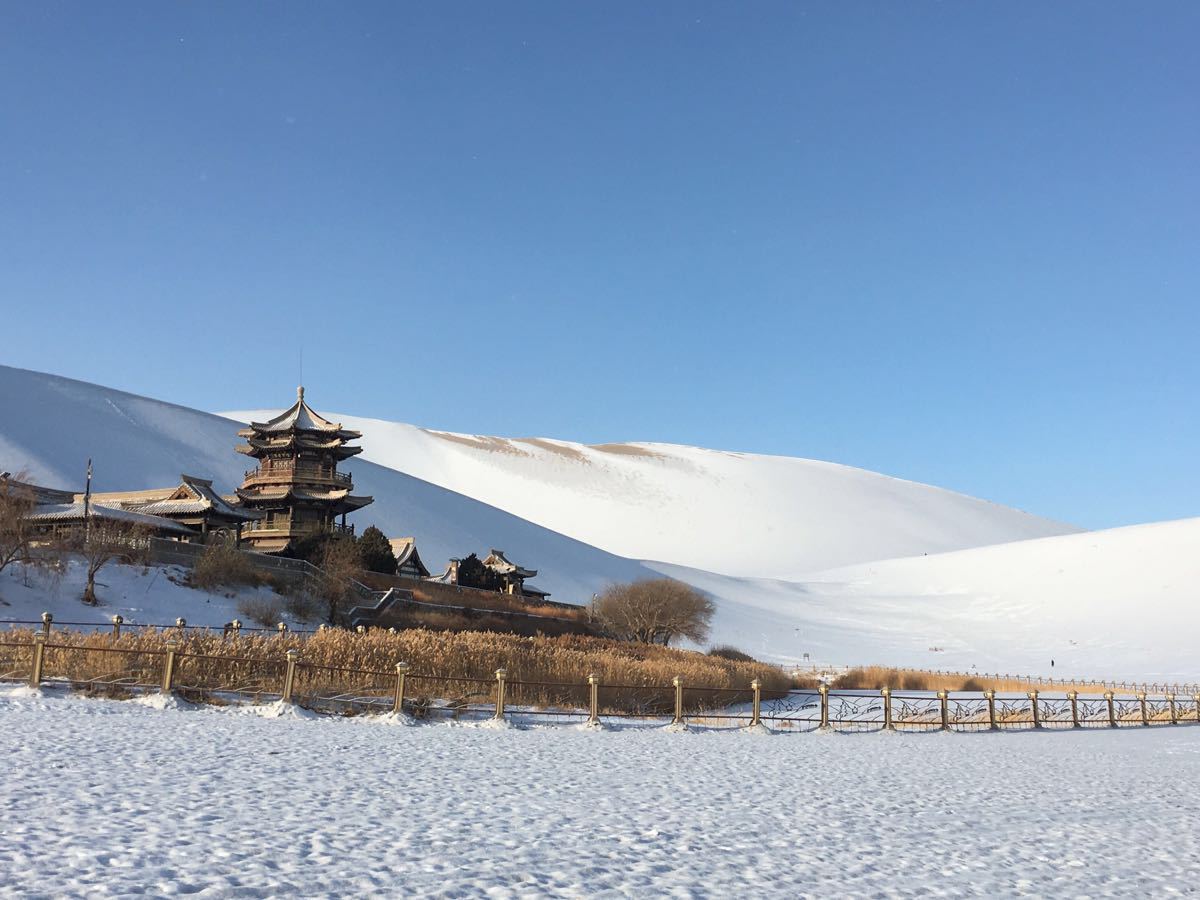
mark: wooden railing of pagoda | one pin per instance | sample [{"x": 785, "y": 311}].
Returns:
[
  {"x": 290, "y": 526},
  {"x": 297, "y": 471}
]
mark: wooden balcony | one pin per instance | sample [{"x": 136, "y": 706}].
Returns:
[
  {"x": 304, "y": 472},
  {"x": 287, "y": 526}
]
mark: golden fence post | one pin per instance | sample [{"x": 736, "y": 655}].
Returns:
[
  {"x": 991, "y": 701},
  {"x": 117, "y": 620},
  {"x": 1112, "y": 712},
  {"x": 823, "y": 690},
  {"x": 887, "y": 708},
  {"x": 289, "y": 677},
  {"x": 1142, "y": 703},
  {"x": 1073, "y": 696},
  {"x": 1037, "y": 713},
  {"x": 1171, "y": 704},
  {"x": 593, "y": 700},
  {"x": 46, "y": 620},
  {"x": 39, "y": 655},
  {"x": 1196, "y": 698},
  {"x": 398, "y": 700},
  {"x": 678, "y": 682},
  {"x": 169, "y": 666},
  {"x": 944, "y": 708},
  {"x": 756, "y": 707},
  {"x": 501, "y": 674}
]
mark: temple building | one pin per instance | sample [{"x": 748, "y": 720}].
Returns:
[
  {"x": 512, "y": 575},
  {"x": 408, "y": 561},
  {"x": 193, "y": 502},
  {"x": 492, "y": 573},
  {"x": 297, "y": 487}
]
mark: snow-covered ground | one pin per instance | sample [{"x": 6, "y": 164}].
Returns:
[
  {"x": 218, "y": 802},
  {"x": 150, "y": 595},
  {"x": 1099, "y": 604}
]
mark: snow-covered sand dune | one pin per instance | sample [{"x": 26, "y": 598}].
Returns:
[
  {"x": 733, "y": 513},
  {"x": 216, "y": 802},
  {"x": 1117, "y": 603},
  {"x": 51, "y": 425}
]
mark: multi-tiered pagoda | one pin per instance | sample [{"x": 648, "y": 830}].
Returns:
[{"x": 297, "y": 486}]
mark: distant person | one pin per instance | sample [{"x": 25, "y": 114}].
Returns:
[{"x": 1052, "y": 664}]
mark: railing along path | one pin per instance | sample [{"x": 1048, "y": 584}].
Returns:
[{"x": 44, "y": 662}]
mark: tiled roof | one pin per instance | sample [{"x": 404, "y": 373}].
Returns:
[{"x": 68, "y": 512}]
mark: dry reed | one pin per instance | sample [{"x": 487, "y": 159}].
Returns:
[
  {"x": 458, "y": 666},
  {"x": 876, "y": 677}
]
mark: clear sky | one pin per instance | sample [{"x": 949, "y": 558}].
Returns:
[{"x": 958, "y": 243}]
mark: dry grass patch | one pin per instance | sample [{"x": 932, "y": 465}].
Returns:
[
  {"x": 542, "y": 671},
  {"x": 876, "y": 677}
]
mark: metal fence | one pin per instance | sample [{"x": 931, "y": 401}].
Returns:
[{"x": 203, "y": 677}]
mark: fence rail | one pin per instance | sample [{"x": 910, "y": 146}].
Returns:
[{"x": 216, "y": 677}]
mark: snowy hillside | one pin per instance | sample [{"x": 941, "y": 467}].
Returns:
[
  {"x": 51, "y": 425},
  {"x": 734, "y": 513},
  {"x": 1116, "y": 603}
]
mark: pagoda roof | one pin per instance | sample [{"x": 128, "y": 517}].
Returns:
[
  {"x": 196, "y": 495},
  {"x": 269, "y": 493},
  {"x": 299, "y": 417},
  {"x": 497, "y": 562},
  {"x": 295, "y": 441}
]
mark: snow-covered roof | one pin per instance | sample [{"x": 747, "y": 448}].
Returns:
[
  {"x": 405, "y": 550},
  {"x": 196, "y": 495},
  {"x": 497, "y": 562},
  {"x": 296, "y": 440},
  {"x": 300, "y": 417},
  {"x": 447, "y": 577},
  {"x": 69, "y": 512}
]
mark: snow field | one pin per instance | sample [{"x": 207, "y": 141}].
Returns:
[{"x": 104, "y": 798}]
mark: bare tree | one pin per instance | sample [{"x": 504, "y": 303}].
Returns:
[
  {"x": 103, "y": 541},
  {"x": 655, "y": 611},
  {"x": 16, "y": 502},
  {"x": 341, "y": 564}
]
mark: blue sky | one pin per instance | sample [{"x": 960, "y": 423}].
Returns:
[{"x": 951, "y": 242}]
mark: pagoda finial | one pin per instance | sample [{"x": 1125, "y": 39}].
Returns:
[{"x": 300, "y": 393}]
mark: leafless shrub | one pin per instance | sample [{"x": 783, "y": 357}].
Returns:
[
  {"x": 301, "y": 603},
  {"x": 103, "y": 541},
  {"x": 16, "y": 502},
  {"x": 222, "y": 565},
  {"x": 341, "y": 563},
  {"x": 264, "y": 611},
  {"x": 655, "y": 611}
]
